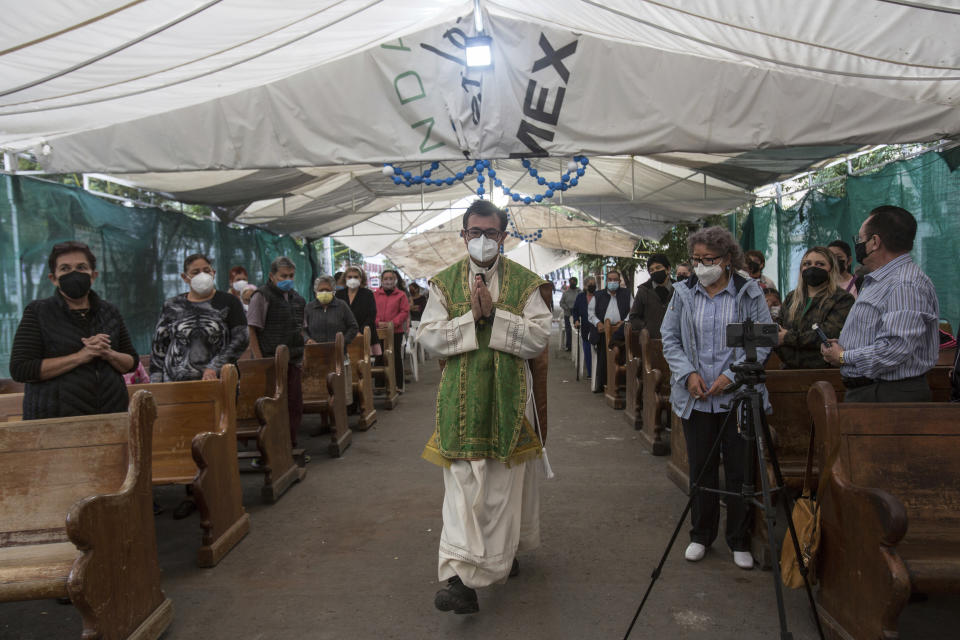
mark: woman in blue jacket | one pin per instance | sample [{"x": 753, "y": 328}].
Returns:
[{"x": 694, "y": 345}]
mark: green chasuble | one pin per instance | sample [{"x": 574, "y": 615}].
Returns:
[{"x": 483, "y": 393}]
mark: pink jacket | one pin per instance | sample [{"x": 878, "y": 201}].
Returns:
[{"x": 392, "y": 307}]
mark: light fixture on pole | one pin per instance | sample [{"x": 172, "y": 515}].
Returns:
[{"x": 479, "y": 47}]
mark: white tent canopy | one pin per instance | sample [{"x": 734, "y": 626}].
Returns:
[
  {"x": 287, "y": 105},
  {"x": 124, "y": 87}
]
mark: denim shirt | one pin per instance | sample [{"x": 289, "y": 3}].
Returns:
[{"x": 683, "y": 341}]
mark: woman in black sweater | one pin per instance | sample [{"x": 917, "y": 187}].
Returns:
[
  {"x": 362, "y": 304},
  {"x": 72, "y": 348}
]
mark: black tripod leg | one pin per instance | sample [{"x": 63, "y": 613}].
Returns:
[
  {"x": 770, "y": 514},
  {"x": 787, "y": 501},
  {"x": 694, "y": 489}
]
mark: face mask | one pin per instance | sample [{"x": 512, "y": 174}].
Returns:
[
  {"x": 339, "y": 287},
  {"x": 708, "y": 275},
  {"x": 815, "y": 276},
  {"x": 353, "y": 283},
  {"x": 842, "y": 265},
  {"x": 591, "y": 288},
  {"x": 613, "y": 286},
  {"x": 202, "y": 284},
  {"x": 389, "y": 286},
  {"x": 682, "y": 278},
  {"x": 75, "y": 284},
  {"x": 659, "y": 276},
  {"x": 285, "y": 285},
  {"x": 325, "y": 297},
  {"x": 774, "y": 312},
  {"x": 753, "y": 266},
  {"x": 239, "y": 285},
  {"x": 860, "y": 250},
  {"x": 483, "y": 249}
]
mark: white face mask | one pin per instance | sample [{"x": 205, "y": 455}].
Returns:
[
  {"x": 202, "y": 284},
  {"x": 483, "y": 249},
  {"x": 353, "y": 283},
  {"x": 708, "y": 275},
  {"x": 239, "y": 285}
]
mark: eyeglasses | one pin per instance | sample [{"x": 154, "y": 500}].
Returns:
[
  {"x": 474, "y": 233},
  {"x": 706, "y": 260}
]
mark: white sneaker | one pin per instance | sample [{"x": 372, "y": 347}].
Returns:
[
  {"x": 743, "y": 559},
  {"x": 695, "y": 552}
]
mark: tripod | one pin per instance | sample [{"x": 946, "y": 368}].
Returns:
[{"x": 748, "y": 403}]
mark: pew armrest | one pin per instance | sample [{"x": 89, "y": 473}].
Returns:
[{"x": 877, "y": 511}]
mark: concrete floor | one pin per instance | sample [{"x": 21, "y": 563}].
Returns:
[{"x": 351, "y": 552}]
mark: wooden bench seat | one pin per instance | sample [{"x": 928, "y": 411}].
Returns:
[
  {"x": 195, "y": 443},
  {"x": 76, "y": 519},
  {"x": 361, "y": 372},
  {"x": 890, "y": 507},
  {"x": 656, "y": 396},
  {"x": 263, "y": 415},
  {"x": 384, "y": 374},
  {"x": 615, "y": 388},
  {"x": 633, "y": 409},
  {"x": 325, "y": 386}
]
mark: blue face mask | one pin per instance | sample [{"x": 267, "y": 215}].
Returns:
[
  {"x": 285, "y": 285},
  {"x": 613, "y": 286}
]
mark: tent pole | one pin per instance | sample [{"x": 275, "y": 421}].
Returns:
[
  {"x": 15, "y": 229},
  {"x": 633, "y": 178}
]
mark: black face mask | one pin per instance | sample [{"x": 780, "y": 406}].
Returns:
[
  {"x": 860, "y": 250},
  {"x": 75, "y": 284},
  {"x": 659, "y": 276},
  {"x": 753, "y": 266},
  {"x": 842, "y": 265},
  {"x": 591, "y": 288},
  {"x": 682, "y": 278},
  {"x": 815, "y": 276}
]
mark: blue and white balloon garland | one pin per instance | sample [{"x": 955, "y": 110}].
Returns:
[{"x": 570, "y": 178}]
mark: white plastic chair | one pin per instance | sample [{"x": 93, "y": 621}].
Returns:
[{"x": 410, "y": 351}]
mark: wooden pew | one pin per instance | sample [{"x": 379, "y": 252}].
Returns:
[
  {"x": 890, "y": 509},
  {"x": 325, "y": 387},
  {"x": 385, "y": 376},
  {"x": 614, "y": 390},
  {"x": 634, "y": 378},
  {"x": 76, "y": 519},
  {"x": 946, "y": 358},
  {"x": 362, "y": 383},
  {"x": 656, "y": 396},
  {"x": 790, "y": 421},
  {"x": 195, "y": 443},
  {"x": 263, "y": 415}
]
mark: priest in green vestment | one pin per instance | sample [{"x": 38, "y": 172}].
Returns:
[{"x": 486, "y": 317}]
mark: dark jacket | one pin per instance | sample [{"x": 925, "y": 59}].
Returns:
[
  {"x": 364, "y": 309},
  {"x": 648, "y": 308},
  {"x": 604, "y": 298},
  {"x": 49, "y": 329},
  {"x": 283, "y": 324},
  {"x": 322, "y": 325},
  {"x": 580, "y": 314},
  {"x": 801, "y": 346}
]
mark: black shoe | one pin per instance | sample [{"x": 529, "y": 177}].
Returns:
[
  {"x": 515, "y": 568},
  {"x": 456, "y": 597},
  {"x": 184, "y": 509},
  {"x": 157, "y": 509}
]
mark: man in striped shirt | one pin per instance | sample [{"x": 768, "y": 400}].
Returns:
[{"x": 890, "y": 340}]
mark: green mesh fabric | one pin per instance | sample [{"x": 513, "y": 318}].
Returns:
[
  {"x": 139, "y": 252},
  {"x": 928, "y": 186}
]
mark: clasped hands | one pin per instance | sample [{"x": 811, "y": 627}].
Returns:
[
  {"x": 480, "y": 300},
  {"x": 613, "y": 328},
  {"x": 698, "y": 388},
  {"x": 96, "y": 346}
]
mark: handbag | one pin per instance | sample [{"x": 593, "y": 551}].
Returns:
[{"x": 806, "y": 522}]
